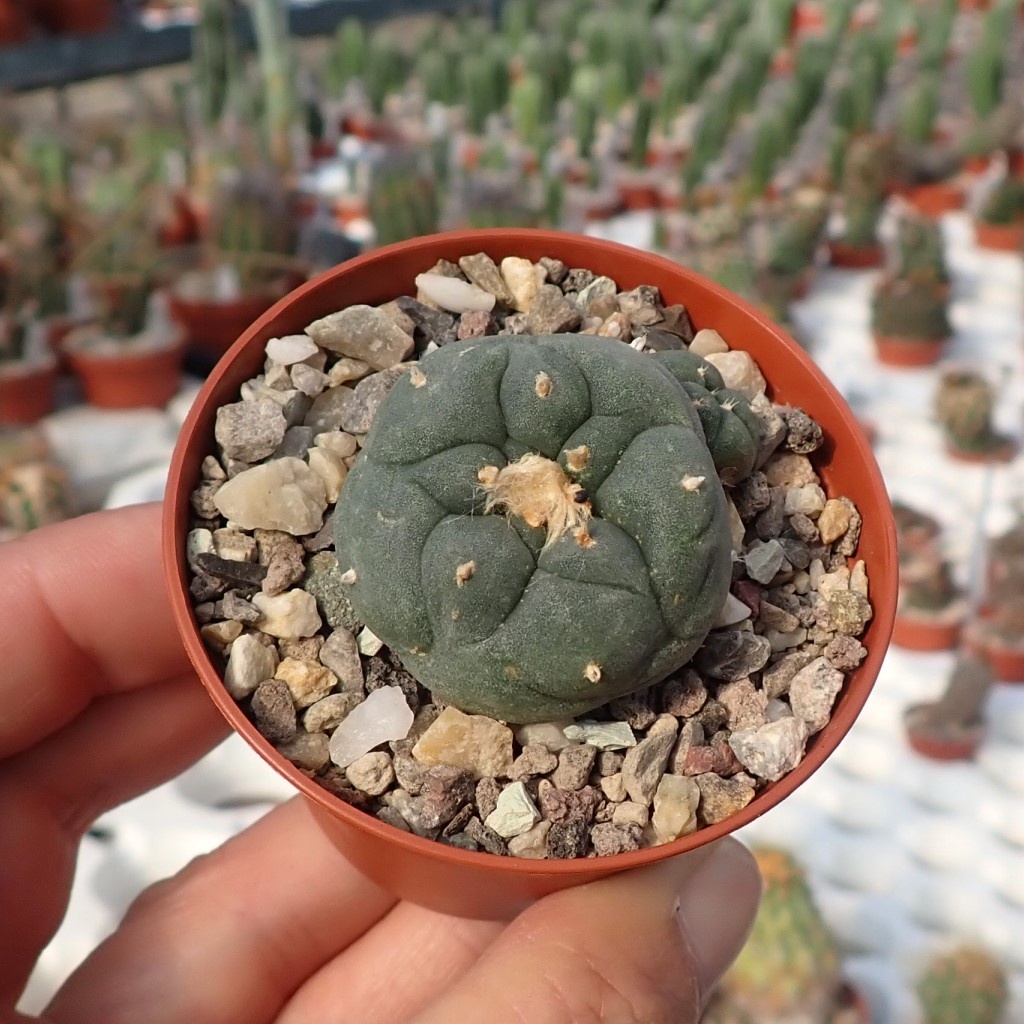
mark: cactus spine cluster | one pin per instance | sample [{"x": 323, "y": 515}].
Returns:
[{"x": 966, "y": 986}]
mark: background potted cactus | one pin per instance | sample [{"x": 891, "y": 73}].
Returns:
[
  {"x": 964, "y": 986},
  {"x": 997, "y": 632},
  {"x": 909, "y": 321},
  {"x": 863, "y": 186},
  {"x": 931, "y": 608},
  {"x": 790, "y": 969},
  {"x": 964, "y": 403},
  {"x": 952, "y": 727},
  {"x": 917, "y": 250},
  {"x": 999, "y": 222}
]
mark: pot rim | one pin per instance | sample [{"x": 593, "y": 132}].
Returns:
[{"x": 821, "y": 745}]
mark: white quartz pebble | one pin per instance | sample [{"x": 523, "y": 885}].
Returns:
[
  {"x": 453, "y": 294},
  {"x": 384, "y": 716},
  {"x": 290, "y": 349}
]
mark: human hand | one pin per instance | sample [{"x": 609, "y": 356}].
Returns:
[{"x": 98, "y": 704}]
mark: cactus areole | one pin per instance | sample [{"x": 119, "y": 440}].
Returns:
[{"x": 537, "y": 525}]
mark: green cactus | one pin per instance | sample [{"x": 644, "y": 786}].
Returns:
[
  {"x": 403, "y": 203},
  {"x": 605, "y": 508},
  {"x": 964, "y": 404},
  {"x": 519, "y": 20},
  {"x": 585, "y": 91},
  {"x": 1005, "y": 204},
  {"x": 765, "y": 153},
  {"x": 643, "y": 122},
  {"x": 531, "y": 109},
  {"x": 484, "y": 86},
  {"x": 277, "y": 79},
  {"x": 216, "y": 59},
  {"x": 794, "y": 237},
  {"x": 679, "y": 87},
  {"x": 911, "y": 309},
  {"x": 789, "y": 969},
  {"x": 919, "y": 251},
  {"x": 920, "y": 109},
  {"x": 346, "y": 60},
  {"x": 386, "y": 72},
  {"x": 965, "y": 986},
  {"x": 438, "y": 74}
]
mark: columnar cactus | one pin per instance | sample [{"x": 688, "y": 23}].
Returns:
[
  {"x": 789, "y": 969},
  {"x": 643, "y": 121},
  {"x": 919, "y": 250},
  {"x": 966, "y": 986},
  {"x": 920, "y": 109},
  {"x": 561, "y": 541},
  {"x": 530, "y": 105}
]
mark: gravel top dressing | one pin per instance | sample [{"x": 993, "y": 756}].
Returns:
[{"x": 610, "y": 599}]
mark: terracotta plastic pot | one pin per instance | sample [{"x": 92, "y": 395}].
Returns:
[
  {"x": 639, "y": 193},
  {"x": 15, "y": 26},
  {"x": 129, "y": 380},
  {"x": 27, "y": 392},
  {"x": 75, "y": 18},
  {"x": 1005, "y": 660},
  {"x": 916, "y": 633},
  {"x": 908, "y": 352},
  {"x": 212, "y": 327},
  {"x": 936, "y": 199},
  {"x": 977, "y": 164},
  {"x": 478, "y": 884},
  {"x": 1000, "y": 237},
  {"x": 855, "y": 257},
  {"x": 945, "y": 750}
]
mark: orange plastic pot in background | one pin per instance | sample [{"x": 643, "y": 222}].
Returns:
[
  {"x": 75, "y": 17},
  {"x": 999, "y": 237},
  {"x": 855, "y": 257},
  {"x": 936, "y": 199},
  {"x": 918, "y": 633},
  {"x": 478, "y": 884},
  {"x": 129, "y": 380},
  {"x": 908, "y": 352},
  {"x": 27, "y": 392}
]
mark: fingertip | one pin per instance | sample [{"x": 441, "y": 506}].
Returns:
[{"x": 716, "y": 906}]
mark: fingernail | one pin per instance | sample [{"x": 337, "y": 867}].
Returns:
[{"x": 715, "y": 909}]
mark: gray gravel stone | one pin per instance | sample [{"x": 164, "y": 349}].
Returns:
[
  {"x": 776, "y": 677},
  {"x": 369, "y": 394},
  {"x": 329, "y": 712},
  {"x": 308, "y": 751},
  {"x": 730, "y": 654},
  {"x": 552, "y": 312},
  {"x": 274, "y": 711},
  {"x": 566, "y": 840},
  {"x": 644, "y": 764},
  {"x": 296, "y": 443},
  {"x": 249, "y": 431},
  {"x": 534, "y": 760},
  {"x": 574, "y": 766},
  {"x": 362, "y": 332},
  {"x": 609, "y": 839}
]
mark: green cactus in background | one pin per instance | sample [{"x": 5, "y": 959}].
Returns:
[
  {"x": 764, "y": 154},
  {"x": 790, "y": 967},
  {"x": 403, "y": 203},
  {"x": 554, "y": 200},
  {"x": 438, "y": 74},
  {"x": 1005, "y": 203},
  {"x": 920, "y": 109},
  {"x": 585, "y": 91},
  {"x": 531, "y": 109},
  {"x": 216, "y": 60},
  {"x": 643, "y": 122},
  {"x": 964, "y": 404},
  {"x": 679, "y": 87},
  {"x": 986, "y": 71},
  {"x": 277, "y": 80},
  {"x": 543, "y": 57},
  {"x": 796, "y": 235},
  {"x": 387, "y": 70},
  {"x": 914, "y": 309},
  {"x": 346, "y": 59},
  {"x": 966, "y": 986},
  {"x": 519, "y": 19},
  {"x": 479, "y": 89},
  {"x": 919, "y": 250}
]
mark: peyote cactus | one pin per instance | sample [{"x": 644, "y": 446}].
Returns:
[
  {"x": 560, "y": 542},
  {"x": 964, "y": 404},
  {"x": 966, "y": 986},
  {"x": 911, "y": 308},
  {"x": 789, "y": 970},
  {"x": 926, "y": 583}
]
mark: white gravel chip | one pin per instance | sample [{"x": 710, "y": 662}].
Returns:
[
  {"x": 515, "y": 812},
  {"x": 383, "y": 717}
]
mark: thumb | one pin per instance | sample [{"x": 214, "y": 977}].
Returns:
[{"x": 644, "y": 946}]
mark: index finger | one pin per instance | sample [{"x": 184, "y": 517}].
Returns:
[{"x": 83, "y": 613}]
